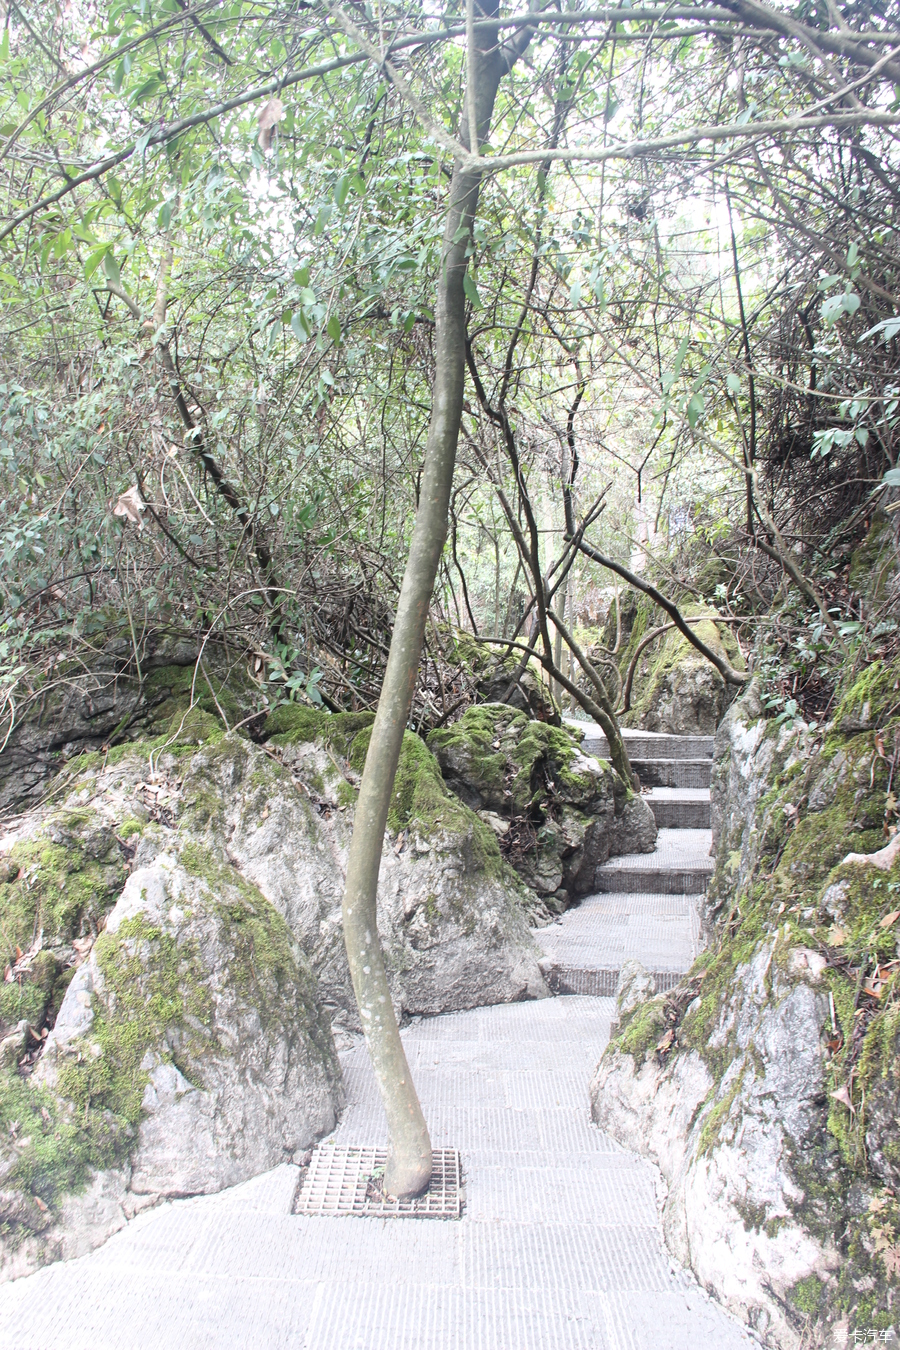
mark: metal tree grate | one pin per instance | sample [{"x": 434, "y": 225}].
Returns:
[{"x": 346, "y": 1180}]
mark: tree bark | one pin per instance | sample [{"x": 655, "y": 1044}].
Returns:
[{"x": 409, "y": 1160}]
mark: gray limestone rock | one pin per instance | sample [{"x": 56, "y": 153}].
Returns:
[
  {"x": 726, "y": 1148},
  {"x": 635, "y": 985},
  {"x": 676, "y": 690},
  {"x": 766, "y": 1087},
  {"x": 568, "y": 812},
  {"x": 193, "y": 1047},
  {"x": 452, "y": 917}
]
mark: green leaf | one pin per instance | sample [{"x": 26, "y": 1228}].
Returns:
[
  {"x": 824, "y": 283},
  {"x": 333, "y": 329},
  {"x": 892, "y": 478},
  {"x": 146, "y": 90},
  {"x": 94, "y": 260},
  {"x": 341, "y": 188},
  {"x": 111, "y": 269},
  {"x": 888, "y": 327},
  {"x": 680, "y": 355},
  {"x": 164, "y": 218},
  {"x": 471, "y": 291},
  {"x": 695, "y": 409},
  {"x": 301, "y": 276},
  {"x": 832, "y": 310},
  {"x": 733, "y": 384}
]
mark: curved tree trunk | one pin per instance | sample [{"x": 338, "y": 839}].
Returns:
[{"x": 409, "y": 1161}]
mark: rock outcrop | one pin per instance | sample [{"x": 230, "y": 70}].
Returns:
[
  {"x": 766, "y": 1086},
  {"x": 175, "y": 961},
  {"x": 558, "y": 813},
  {"x": 85, "y": 704},
  {"x": 675, "y": 689}
]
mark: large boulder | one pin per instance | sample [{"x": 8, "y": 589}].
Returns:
[
  {"x": 189, "y": 1051},
  {"x": 174, "y": 961},
  {"x": 765, "y": 1086},
  {"x": 558, "y": 813},
  {"x": 453, "y": 916},
  {"x": 675, "y": 689}
]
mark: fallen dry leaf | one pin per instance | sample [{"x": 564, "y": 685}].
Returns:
[
  {"x": 130, "y": 505},
  {"x": 890, "y": 918},
  {"x": 269, "y": 118},
  {"x": 837, "y": 937},
  {"x": 842, "y": 1095}
]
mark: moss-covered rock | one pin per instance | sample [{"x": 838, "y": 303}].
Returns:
[
  {"x": 453, "y": 916},
  {"x": 189, "y": 1049},
  {"x": 559, "y": 813},
  {"x": 77, "y": 710},
  {"x": 787, "y": 1159},
  {"x": 496, "y": 678},
  {"x": 675, "y": 689}
]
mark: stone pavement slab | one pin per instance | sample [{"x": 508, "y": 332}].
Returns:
[{"x": 558, "y": 1249}]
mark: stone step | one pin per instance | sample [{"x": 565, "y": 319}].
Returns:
[
  {"x": 673, "y": 773},
  {"x": 679, "y": 808},
  {"x": 600, "y": 983},
  {"x": 679, "y": 865},
  {"x": 644, "y": 744},
  {"x": 603, "y": 931}
]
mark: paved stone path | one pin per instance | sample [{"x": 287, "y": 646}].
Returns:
[{"x": 558, "y": 1249}]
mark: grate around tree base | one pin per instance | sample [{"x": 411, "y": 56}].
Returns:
[{"x": 347, "y": 1180}]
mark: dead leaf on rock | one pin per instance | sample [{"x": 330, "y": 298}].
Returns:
[
  {"x": 842, "y": 1095},
  {"x": 836, "y": 937}
]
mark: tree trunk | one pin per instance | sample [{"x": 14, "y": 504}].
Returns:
[{"x": 409, "y": 1161}]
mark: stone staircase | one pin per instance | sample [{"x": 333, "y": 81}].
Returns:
[{"x": 644, "y": 906}]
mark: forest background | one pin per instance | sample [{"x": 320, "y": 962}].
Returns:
[{"x": 221, "y": 239}]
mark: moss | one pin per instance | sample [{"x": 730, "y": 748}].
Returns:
[
  {"x": 420, "y": 799},
  {"x": 807, "y": 1296},
  {"x": 292, "y": 724},
  {"x": 718, "y": 1117},
  {"x": 670, "y": 651},
  {"x": 153, "y": 981},
  {"x": 505, "y": 754},
  {"x": 872, "y": 697},
  {"x": 65, "y": 881},
  {"x": 643, "y": 1031},
  {"x": 267, "y": 970},
  {"x": 129, "y": 828},
  {"x": 52, "y": 1149},
  {"x": 874, "y": 561},
  {"x": 169, "y": 690}
]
